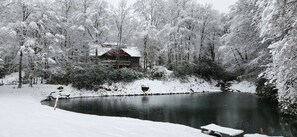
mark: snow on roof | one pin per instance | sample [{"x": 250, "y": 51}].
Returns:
[
  {"x": 132, "y": 51},
  {"x": 1, "y": 60},
  {"x": 100, "y": 50},
  {"x": 224, "y": 130},
  {"x": 107, "y": 43}
]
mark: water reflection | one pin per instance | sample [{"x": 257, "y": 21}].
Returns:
[{"x": 242, "y": 111}]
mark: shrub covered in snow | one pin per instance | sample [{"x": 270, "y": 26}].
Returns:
[
  {"x": 92, "y": 76},
  {"x": 158, "y": 72},
  {"x": 266, "y": 90},
  {"x": 87, "y": 78},
  {"x": 125, "y": 74},
  {"x": 58, "y": 76},
  {"x": 206, "y": 69}
]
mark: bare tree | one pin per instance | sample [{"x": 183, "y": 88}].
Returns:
[{"x": 122, "y": 20}]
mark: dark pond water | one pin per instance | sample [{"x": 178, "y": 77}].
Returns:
[{"x": 236, "y": 110}]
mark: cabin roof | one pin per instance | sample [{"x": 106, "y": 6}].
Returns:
[{"x": 132, "y": 51}]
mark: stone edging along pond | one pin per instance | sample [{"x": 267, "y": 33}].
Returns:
[{"x": 130, "y": 95}]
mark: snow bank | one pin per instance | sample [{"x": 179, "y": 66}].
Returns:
[
  {"x": 12, "y": 78},
  {"x": 244, "y": 86},
  {"x": 255, "y": 135},
  {"x": 156, "y": 87},
  {"x": 22, "y": 115}
]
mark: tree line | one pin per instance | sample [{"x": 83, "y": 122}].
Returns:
[
  {"x": 256, "y": 39},
  {"x": 36, "y": 33}
]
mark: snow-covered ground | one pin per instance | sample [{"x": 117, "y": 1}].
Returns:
[
  {"x": 171, "y": 86},
  {"x": 155, "y": 87},
  {"x": 10, "y": 79},
  {"x": 244, "y": 86},
  {"x": 22, "y": 115}
]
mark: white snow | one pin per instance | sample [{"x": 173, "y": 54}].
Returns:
[
  {"x": 173, "y": 86},
  {"x": 50, "y": 61},
  {"x": 33, "y": 26},
  {"x": 100, "y": 50},
  {"x": 81, "y": 28},
  {"x": 224, "y": 130},
  {"x": 244, "y": 86},
  {"x": 22, "y": 115},
  {"x": 132, "y": 51},
  {"x": 49, "y": 35},
  {"x": 110, "y": 43},
  {"x": 255, "y": 135},
  {"x": 12, "y": 78}
]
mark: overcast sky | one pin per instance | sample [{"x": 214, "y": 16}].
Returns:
[{"x": 221, "y": 5}]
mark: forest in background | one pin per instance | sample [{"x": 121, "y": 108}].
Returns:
[{"x": 256, "y": 41}]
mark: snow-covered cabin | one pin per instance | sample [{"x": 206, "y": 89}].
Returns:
[{"x": 106, "y": 54}]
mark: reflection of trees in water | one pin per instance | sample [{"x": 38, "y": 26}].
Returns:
[
  {"x": 144, "y": 99},
  {"x": 289, "y": 126},
  {"x": 270, "y": 117},
  {"x": 245, "y": 112}
]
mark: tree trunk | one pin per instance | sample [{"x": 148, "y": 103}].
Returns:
[
  {"x": 188, "y": 54},
  {"x": 201, "y": 40},
  {"x": 118, "y": 46},
  {"x": 145, "y": 53},
  {"x": 31, "y": 75},
  {"x": 96, "y": 57},
  {"x": 118, "y": 56},
  {"x": 20, "y": 70},
  {"x": 237, "y": 61},
  {"x": 212, "y": 48}
]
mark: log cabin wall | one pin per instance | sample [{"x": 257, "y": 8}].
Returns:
[{"x": 125, "y": 60}]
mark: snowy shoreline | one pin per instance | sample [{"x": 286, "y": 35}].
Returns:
[
  {"x": 23, "y": 115},
  {"x": 157, "y": 87},
  {"x": 171, "y": 86},
  {"x": 190, "y": 85}
]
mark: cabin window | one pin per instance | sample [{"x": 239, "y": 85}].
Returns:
[{"x": 134, "y": 60}]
